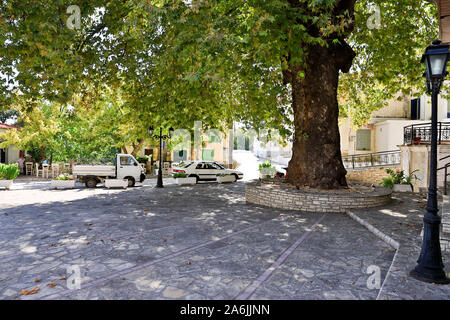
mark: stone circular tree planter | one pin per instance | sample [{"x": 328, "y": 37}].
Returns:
[
  {"x": 63, "y": 184},
  {"x": 281, "y": 195},
  {"x": 6, "y": 184}
]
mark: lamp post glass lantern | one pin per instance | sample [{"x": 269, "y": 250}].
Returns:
[
  {"x": 161, "y": 137},
  {"x": 429, "y": 265}
]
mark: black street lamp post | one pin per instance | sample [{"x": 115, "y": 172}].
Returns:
[
  {"x": 429, "y": 266},
  {"x": 161, "y": 137}
]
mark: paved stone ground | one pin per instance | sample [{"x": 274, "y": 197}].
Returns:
[
  {"x": 403, "y": 221},
  {"x": 190, "y": 242}
]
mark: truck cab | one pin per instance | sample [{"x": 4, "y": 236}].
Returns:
[{"x": 128, "y": 167}]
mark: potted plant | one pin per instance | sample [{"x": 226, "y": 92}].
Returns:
[
  {"x": 8, "y": 172},
  {"x": 63, "y": 181},
  {"x": 182, "y": 178},
  {"x": 223, "y": 177},
  {"x": 416, "y": 140},
  {"x": 266, "y": 170},
  {"x": 398, "y": 181}
]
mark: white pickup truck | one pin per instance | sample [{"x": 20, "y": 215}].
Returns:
[{"x": 126, "y": 167}]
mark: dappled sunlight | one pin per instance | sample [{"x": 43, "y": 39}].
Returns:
[
  {"x": 28, "y": 249},
  {"x": 392, "y": 213}
]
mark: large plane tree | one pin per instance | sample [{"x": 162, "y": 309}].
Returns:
[{"x": 289, "y": 65}]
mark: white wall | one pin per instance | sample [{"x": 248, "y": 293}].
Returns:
[
  {"x": 12, "y": 154},
  {"x": 389, "y": 133}
]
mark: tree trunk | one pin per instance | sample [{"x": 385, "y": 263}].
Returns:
[{"x": 316, "y": 155}]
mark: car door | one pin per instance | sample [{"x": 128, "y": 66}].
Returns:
[
  {"x": 126, "y": 167},
  {"x": 216, "y": 169},
  {"x": 201, "y": 170}
]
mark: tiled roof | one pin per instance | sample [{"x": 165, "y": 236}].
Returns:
[{"x": 7, "y": 126}]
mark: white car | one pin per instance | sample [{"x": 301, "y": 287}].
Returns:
[{"x": 205, "y": 170}]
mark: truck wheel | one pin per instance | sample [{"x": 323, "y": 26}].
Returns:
[
  {"x": 131, "y": 182},
  {"x": 91, "y": 183}
]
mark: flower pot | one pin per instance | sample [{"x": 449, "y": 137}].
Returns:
[
  {"x": 190, "y": 180},
  {"x": 402, "y": 188},
  {"x": 6, "y": 184},
  {"x": 116, "y": 183},
  {"x": 227, "y": 178},
  {"x": 63, "y": 184}
]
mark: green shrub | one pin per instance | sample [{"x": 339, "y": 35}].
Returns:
[
  {"x": 387, "y": 182},
  {"x": 64, "y": 177},
  {"x": 179, "y": 175},
  {"x": 398, "y": 177},
  {"x": 2, "y": 171},
  {"x": 9, "y": 171},
  {"x": 266, "y": 164}
]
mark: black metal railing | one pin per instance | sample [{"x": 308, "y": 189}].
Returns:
[
  {"x": 446, "y": 172},
  {"x": 375, "y": 159},
  {"x": 421, "y": 133}
]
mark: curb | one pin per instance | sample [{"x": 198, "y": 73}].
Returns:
[{"x": 384, "y": 237}]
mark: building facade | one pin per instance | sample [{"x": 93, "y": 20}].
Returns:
[{"x": 11, "y": 154}]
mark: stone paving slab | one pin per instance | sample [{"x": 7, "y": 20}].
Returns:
[
  {"x": 156, "y": 231},
  {"x": 402, "y": 220}
]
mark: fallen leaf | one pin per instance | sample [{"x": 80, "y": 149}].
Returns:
[
  {"x": 63, "y": 278},
  {"x": 112, "y": 240},
  {"x": 164, "y": 239},
  {"x": 51, "y": 284},
  {"x": 123, "y": 278},
  {"x": 387, "y": 251},
  {"x": 188, "y": 263},
  {"x": 28, "y": 292},
  {"x": 394, "y": 229},
  {"x": 89, "y": 224},
  {"x": 5, "y": 213},
  {"x": 37, "y": 280},
  {"x": 52, "y": 245},
  {"x": 89, "y": 229}
]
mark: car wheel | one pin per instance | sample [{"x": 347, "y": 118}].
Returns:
[
  {"x": 131, "y": 182},
  {"x": 235, "y": 177},
  {"x": 91, "y": 183}
]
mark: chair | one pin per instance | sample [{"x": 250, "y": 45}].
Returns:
[
  {"x": 55, "y": 170},
  {"x": 66, "y": 167},
  {"x": 28, "y": 168},
  {"x": 39, "y": 171},
  {"x": 45, "y": 169}
]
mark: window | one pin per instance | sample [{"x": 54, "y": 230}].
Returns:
[
  {"x": 363, "y": 137},
  {"x": 126, "y": 161},
  {"x": 180, "y": 155},
  {"x": 201, "y": 166},
  {"x": 415, "y": 109},
  {"x": 214, "y": 138}
]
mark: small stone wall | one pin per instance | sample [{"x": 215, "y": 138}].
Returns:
[
  {"x": 281, "y": 196},
  {"x": 372, "y": 175}
]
